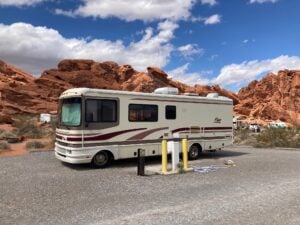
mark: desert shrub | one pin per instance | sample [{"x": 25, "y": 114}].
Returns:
[
  {"x": 244, "y": 137},
  {"x": 32, "y": 145},
  {"x": 52, "y": 129},
  {"x": 4, "y": 146},
  {"x": 32, "y": 131},
  {"x": 27, "y": 125},
  {"x": 9, "y": 134},
  {"x": 279, "y": 137},
  {"x": 2, "y": 133}
]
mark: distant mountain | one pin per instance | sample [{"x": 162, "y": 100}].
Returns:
[{"x": 23, "y": 93}]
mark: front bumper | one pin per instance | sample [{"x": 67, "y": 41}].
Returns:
[{"x": 72, "y": 156}]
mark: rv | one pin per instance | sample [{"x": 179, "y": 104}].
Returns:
[{"x": 97, "y": 126}]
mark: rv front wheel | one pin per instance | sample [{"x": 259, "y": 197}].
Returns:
[
  {"x": 194, "y": 152},
  {"x": 101, "y": 159}
]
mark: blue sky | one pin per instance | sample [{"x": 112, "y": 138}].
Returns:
[{"x": 225, "y": 42}]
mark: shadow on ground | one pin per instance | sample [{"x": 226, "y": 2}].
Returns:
[{"x": 154, "y": 160}]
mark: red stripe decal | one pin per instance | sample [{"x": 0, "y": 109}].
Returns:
[
  {"x": 103, "y": 136},
  {"x": 217, "y": 128},
  {"x": 146, "y": 133},
  {"x": 191, "y": 129},
  {"x": 180, "y": 129}
]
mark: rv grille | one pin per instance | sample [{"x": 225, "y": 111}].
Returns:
[{"x": 62, "y": 143}]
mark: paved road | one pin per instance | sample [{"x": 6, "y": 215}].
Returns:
[{"x": 264, "y": 188}]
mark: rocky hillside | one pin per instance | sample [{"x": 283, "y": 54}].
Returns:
[
  {"x": 21, "y": 92},
  {"x": 275, "y": 97}
]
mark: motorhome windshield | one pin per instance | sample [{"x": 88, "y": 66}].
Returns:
[{"x": 70, "y": 112}]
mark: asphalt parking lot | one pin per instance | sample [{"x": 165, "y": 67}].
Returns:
[{"x": 264, "y": 188}]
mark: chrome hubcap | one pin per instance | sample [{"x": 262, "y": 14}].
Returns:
[
  {"x": 194, "y": 151},
  {"x": 100, "y": 158}
]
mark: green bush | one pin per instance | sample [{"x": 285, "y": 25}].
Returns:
[
  {"x": 4, "y": 146},
  {"x": 32, "y": 145},
  {"x": 279, "y": 137}
]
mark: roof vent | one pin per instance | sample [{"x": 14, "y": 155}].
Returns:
[
  {"x": 190, "y": 94},
  {"x": 166, "y": 91},
  {"x": 212, "y": 95}
]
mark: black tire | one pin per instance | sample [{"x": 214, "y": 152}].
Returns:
[
  {"x": 101, "y": 160},
  {"x": 194, "y": 152}
]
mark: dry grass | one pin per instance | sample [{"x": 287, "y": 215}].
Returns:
[
  {"x": 34, "y": 145},
  {"x": 244, "y": 137},
  {"x": 269, "y": 137},
  {"x": 279, "y": 137},
  {"x": 4, "y": 146},
  {"x": 28, "y": 126}
]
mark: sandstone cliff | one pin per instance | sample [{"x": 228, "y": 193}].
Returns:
[
  {"x": 274, "y": 97},
  {"x": 22, "y": 93}
]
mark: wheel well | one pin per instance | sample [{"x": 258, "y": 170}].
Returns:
[
  {"x": 111, "y": 156},
  {"x": 198, "y": 146}
]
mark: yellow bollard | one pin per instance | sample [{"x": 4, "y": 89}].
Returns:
[
  {"x": 164, "y": 160},
  {"x": 185, "y": 153}
]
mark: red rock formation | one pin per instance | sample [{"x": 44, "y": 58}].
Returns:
[
  {"x": 274, "y": 97},
  {"x": 19, "y": 93}
]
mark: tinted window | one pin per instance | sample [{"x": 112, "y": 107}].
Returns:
[
  {"x": 143, "y": 113},
  {"x": 100, "y": 110},
  {"x": 170, "y": 112}
]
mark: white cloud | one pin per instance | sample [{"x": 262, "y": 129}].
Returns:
[
  {"x": 209, "y": 2},
  {"x": 248, "y": 41},
  {"x": 189, "y": 50},
  {"x": 38, "y": 48},
  {"x": 250, "y": 70},
  {"x": 19, "y": 2},
  {"x": 262, "y": 1},
  {"x": 214, "y": 19},
  {"x": 181, "y": 74},
  {"x": 213, "y": 57},
  {"x": 130, "y": 10}
]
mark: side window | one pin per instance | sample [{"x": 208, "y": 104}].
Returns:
[
  {"x": 109, "y": 111},
  {"x": 92, "y": 111},
  {"x": 100, "y": 111},
  {"x": 170, "y": 112},
  {"x": 143, "y": 113}
]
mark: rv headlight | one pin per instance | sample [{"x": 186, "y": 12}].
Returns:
[{"x": 69, "y": 151}]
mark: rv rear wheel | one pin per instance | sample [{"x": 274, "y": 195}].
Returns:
[
  {"x": 101, "y": 160},
  {"x": 194, "y": 152}
]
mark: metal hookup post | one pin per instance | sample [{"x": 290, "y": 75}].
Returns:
[{"x": 141, "y": 162}]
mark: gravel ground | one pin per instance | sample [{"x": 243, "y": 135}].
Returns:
[{"x": 264, "y": 188}]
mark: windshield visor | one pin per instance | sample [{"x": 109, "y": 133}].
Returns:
[{"x": 70, "y": 112}]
